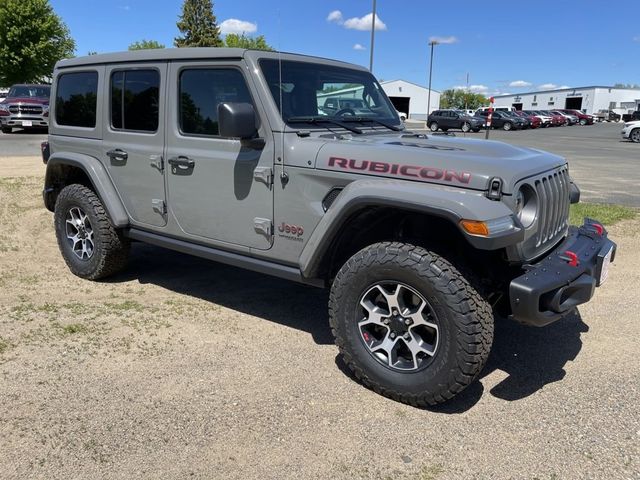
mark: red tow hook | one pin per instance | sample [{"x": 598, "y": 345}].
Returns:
[
  {"x": 571, "y": 258},
  {"x": 598, "y": 228}
]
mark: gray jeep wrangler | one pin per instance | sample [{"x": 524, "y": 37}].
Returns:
[{"x": 230, "y": 155}]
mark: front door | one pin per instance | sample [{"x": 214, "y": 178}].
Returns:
[
  {"x": 134, "y": 139},
  {"x": 218, "y": 188}
]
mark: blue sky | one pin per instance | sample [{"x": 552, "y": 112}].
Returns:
[{"x": 504, "y": 46}]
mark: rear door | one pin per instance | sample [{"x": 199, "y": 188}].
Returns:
[
  {"x": 134, "y": 138},
  {"x": 218, "y": 188}
]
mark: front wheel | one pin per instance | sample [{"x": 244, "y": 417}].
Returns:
[
  {"x": 583, "y": 122},
  {"x": 434, "y": 126},
  {"x": 466, "y": 127},
  {"x": 89, "y": 243},
  {"x": 7, "y": 130},
  {"x": 507, "y": 126},
  {"x": 408, "y": 323},
  {"x": 635, "y": 135}
]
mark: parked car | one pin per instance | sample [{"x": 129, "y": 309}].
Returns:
[
  {"x": 26, "y": 106},
  {"x": 607, "y": 116},
  {"x": 557, "y": 120},
  {"x": 630, "y": 117},
  {"x": 514, "y": 114},
  {"x": 403, "y": 116},
  {"x": 544, "y": 119},
  {"x": 583, "y": 118},
  {"x": 502, "y": 120},
  {"x": 417, "y": 238},
  {"x": 570, "y": 120},
  {"x": 631, "y": 131},
  {"x": 536, "y": 122},
  {"x": 453, "y": 119}
]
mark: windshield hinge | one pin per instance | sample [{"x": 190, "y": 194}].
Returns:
[{"x": 264, "y": 175}]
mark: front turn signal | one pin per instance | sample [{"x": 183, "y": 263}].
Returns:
[{"x": 475, "y": 227}]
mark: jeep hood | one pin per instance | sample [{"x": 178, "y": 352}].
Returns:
[{"x": 458, "y": 162}]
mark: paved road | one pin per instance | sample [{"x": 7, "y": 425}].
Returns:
[{"x": 604, "y": 166}]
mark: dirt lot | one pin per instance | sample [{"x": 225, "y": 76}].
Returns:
[{"x": 182, "y": 368}]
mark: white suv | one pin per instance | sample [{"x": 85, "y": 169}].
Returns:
[{"x": 631, "y": 131}]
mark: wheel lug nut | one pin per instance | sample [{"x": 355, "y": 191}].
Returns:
[
  {"x": 385, "y": 321},
  {"x": 407, "y": 336},
  {"x": 392, "y": 335},
  {"x": 394, "y": 311},
  {"x": 408, "y": 321}
]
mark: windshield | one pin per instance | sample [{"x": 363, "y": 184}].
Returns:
[
  {"x": 29, "y": 91},
  {"x": 315, "y": 91}
]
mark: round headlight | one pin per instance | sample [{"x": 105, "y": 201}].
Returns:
[{"x": 526, "y": 205}]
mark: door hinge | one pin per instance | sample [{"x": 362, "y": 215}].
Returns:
[
  {"x": 264, "y": 175},
  {"x": 263, "y": 226},
  {"x": 159, "y": 206},
  {"x": 156, "y": 162}
]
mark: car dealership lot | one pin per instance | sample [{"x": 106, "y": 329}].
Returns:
[{"x": 189, "y": 369}]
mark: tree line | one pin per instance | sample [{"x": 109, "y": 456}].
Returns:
[{"x": 33, "y": 38}]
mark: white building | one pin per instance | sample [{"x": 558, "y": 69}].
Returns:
[
  {"x": 406, "y": 97},
  {"x": 411, "y": 98},
  {"x": 586, "y": 99}
]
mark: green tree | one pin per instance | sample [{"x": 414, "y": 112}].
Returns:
[
  {"x": 456, "y": 98},
  {"x": 198, "y": 25},
  {"x": 145, "y": 45},
  {"x": 32, "y": 39},
  {"x": 233, "y": 40}
]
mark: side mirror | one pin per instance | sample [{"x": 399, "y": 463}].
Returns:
[{"x": 237, "y": 120}]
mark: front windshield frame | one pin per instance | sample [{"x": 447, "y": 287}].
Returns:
[
  {"x": 30, "y": 91},
  {"x": 362, "y": 88}
]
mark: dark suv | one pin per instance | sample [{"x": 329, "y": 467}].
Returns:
[
  {"x": 447, "y": 119},
  {"x": 501, "y": 120}
]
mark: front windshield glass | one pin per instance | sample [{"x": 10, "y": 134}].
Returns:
[
  {"x": 304, "y": 91},
  {"x": 29, "y": 91}
]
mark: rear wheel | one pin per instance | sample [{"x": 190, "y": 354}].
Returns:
[
  {"x": 434, "y": 126},
  {"x": 89, "y": 243},
  {"x": 635, "y": 135},
  {"x": 408, "y": 324}
]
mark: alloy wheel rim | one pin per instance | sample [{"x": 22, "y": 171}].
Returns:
[
  {"x": 79, "y": 233},
  {"x": 398, "y": 326},
  {"x": 635, "y": 136}
]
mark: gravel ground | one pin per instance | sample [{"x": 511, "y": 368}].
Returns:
[{"x": 182, "y": 368}]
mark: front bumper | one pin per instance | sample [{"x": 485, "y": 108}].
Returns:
[
  {"x": 24, "y": 121},
  {"x": 564, "y": 279}
]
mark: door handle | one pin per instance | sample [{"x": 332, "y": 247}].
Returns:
[
  {"x": 118, "y": 154},
  {"x": 181, "y": 162}
]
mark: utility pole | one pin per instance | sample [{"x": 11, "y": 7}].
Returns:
[
  {"x": 432, "y": 44},
  {"x": 373, "y": 35}
]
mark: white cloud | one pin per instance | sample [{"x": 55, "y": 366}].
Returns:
[
  {"x": 335, "y": 16},
  {"x": 364, "y": 23},
  {"x": 547, "y": 86},
  {"x": 444, "y": 40},
  {"x": 636, "y": 38},
  {"x": 564, "y": 86},
  {"x": 473, "y": 88},
  {"x": 520, "y": 84},
  {"x": 126, "y": 8},
  {"x": 357, "y": 46},
  {"x": 233, "y": 25}
]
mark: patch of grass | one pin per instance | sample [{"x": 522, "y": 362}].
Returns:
[
  {"x": 127, "y": 305},
  {"x": 74, "y": 328},
  {"x": 605, "y": 213},
  {"x": 430, "y": 472},
  {"x": 4, "y": 346}
]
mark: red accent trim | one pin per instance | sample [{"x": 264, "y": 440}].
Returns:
[
  {"x": 599, "y": 228},
  {"x": 573, "y": 258}
]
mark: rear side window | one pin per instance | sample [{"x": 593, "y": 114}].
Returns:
[
  {"x": 201, "y": 91},
  {"x": 134, "y": 100},
  {"x": 76, "y": 99}
]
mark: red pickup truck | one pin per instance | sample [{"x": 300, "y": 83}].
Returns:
[{"x": 26, "y": 107}]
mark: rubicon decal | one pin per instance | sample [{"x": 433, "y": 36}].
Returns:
[{"x": 409, "y": 171}]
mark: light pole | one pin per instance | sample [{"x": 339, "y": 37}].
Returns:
[
  {"x": 373, "y": 34},
  {"x": 432, "y": 44}
]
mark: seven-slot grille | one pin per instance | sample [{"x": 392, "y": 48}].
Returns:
[
  {"x": 553, "y": 191},
  {"x": 27, "y": 109}
]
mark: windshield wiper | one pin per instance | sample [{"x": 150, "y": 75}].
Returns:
[
  {"x": 376, "y": 121},
  {"x": 323, "y": 120}
]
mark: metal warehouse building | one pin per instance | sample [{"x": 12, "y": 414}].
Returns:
[
  {"x": 587, "y": 99},
  {"x": 406, "y": 97}
]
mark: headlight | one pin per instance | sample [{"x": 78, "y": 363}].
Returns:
[
  {"x": 526, "y": 205},
  {"x": 4, "y": 108}
]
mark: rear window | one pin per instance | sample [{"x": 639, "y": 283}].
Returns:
[
  {"x": 134, "y": 100},
  {"x": 76, "y": 99}
]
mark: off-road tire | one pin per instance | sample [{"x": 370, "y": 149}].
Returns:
[
  {"x": 111, "y": 249},
  {"x": 465, "y": 322}
]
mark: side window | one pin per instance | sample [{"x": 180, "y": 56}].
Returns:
[
  {"x": 201, "y": 90},
  {"x": 76, "y": 99},
  {"x": 134, "y": 100}
]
